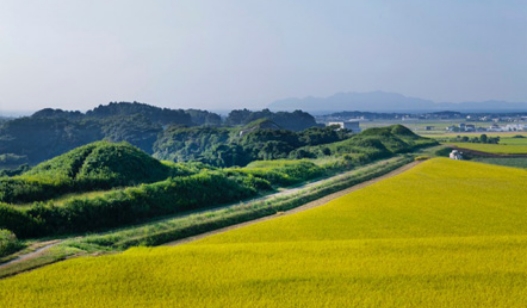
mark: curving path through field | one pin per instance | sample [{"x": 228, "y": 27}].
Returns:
[
  {"x": 34, "y": 254},
  {"x": 304, "y": 207},
  {"x": 47, "y": 245}
]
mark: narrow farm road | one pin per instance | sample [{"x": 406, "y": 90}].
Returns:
[
  {"x": 304, "y": 207},
  {"x": 39, "y": 251},
  {"x": 44, "y": 246}
]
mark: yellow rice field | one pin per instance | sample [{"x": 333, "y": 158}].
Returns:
[{"x": 444, "y": 234}]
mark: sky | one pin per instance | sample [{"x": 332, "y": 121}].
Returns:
[{"x": 221, "y": 55}]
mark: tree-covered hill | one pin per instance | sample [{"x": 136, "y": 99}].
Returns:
[
  {"x": 103, "y": 185},
  {"x": 261, "y": 139},
  {"x": 96, "y": 166},
  {"x": 295, "y": 121},
  {"x": 372, "y": 143},
  {"x": 51, "y": 132},
  {"x": 36, "y": 139}
]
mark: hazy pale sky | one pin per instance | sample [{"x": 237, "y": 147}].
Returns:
[{"x": 224, "y": 54}]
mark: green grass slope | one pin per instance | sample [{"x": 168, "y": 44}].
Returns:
[
  {"x": 374, "y": 143},
  {"x": 444, "y": 234},
  {"x": 120, "y": 163},
  {"x": 99, "y": 165}
]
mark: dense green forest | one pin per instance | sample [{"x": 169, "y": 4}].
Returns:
[
  {"x": 103, "y": 185},
  {"x": 51, "y": 132},
  {"x": 225, "y": 146}
]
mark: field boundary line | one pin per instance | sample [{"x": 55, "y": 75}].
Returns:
[
  {"x": 308, "y": 205},
  {"x": 30, "y": 255}
]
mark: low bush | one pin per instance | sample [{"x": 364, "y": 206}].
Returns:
[
  {"x": 8, "y": 243},
  {"x": 131, "y": 205}
]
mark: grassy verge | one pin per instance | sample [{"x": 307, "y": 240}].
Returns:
[
  {"x": 171, "y": 229},
  {"x": 52, "y": 255}
]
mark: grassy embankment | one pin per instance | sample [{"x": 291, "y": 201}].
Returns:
[
  {"x": 444, "y": 234},
  {"x": 189, "y": 224},
  {"x": 102, "y": 186}
]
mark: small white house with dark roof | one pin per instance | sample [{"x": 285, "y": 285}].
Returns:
[
  {"x": 353, "y": 125},
  {"x": 455, "y": 154}
]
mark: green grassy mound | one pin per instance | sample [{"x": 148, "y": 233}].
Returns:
[
  {"x": 117, "y": 163},
  {"x": 96, "y": 166}
]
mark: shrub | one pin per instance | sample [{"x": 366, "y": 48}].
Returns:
[
  {"x": 8, "y": 242},
  {"x": 420, "y": 158}
]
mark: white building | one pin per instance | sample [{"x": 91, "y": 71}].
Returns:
[
  {"x": 455, "y": 154},
  {"x": 354, "y": 126},
  {"x": 514, "y": 127}
]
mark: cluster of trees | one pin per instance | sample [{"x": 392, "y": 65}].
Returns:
[
  {"x": 225, "y": 147},
  {"x": 371, "y": 144},
  {"x": 475, "y": 139},
  {"x": 295, "y": 121},
  {"x": 117, "y": 207},
  {"x": 96, "y": 166},
  {"x": 51, "y": 132},
  {"x": 124, "y": 206},
  {"x": 8, "y": 242},
  {"x": 134, "y": 186}
]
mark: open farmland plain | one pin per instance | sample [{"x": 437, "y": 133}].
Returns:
[
  {"x": 493, "y": 148},
  {"x": 443, "y": 234}
]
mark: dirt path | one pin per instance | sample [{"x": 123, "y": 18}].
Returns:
[
  {"x": 304, "y": 207},
  {"x": 47, "y": 245},
  {"x": 39, "y": 251}
]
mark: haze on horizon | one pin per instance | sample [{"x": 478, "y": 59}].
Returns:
[{"x": 209, "y": 54}]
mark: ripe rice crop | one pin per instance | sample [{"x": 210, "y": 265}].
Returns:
[{"x": 444, "y": 234}]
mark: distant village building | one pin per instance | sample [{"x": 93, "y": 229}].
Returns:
[
  {"x": 514, "y": 127},
  {"x": 495, "y": 128},
  {"x": 354, "y": 126},
  {"x": 452, "y": 128},
  {"x": 455, "y": 154},
  {"x": 429, "y": 127},
  {"x": 470, "y": 128}
]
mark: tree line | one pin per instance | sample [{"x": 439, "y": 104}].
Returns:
[
  {"x": 51, "y": 132},
  {"x": 131, "y": 186}
]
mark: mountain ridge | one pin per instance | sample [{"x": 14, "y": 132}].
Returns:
[{"x": 387, "y": 102}]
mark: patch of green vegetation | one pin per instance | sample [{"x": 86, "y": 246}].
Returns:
[
  {"x": 515, "y": 140},
  {"x": 8, "y": 243},
  {"x": 373, "y": 143},
  {"x": 483, "y": 138},
  {"x": 52, "y": 255},
  {"x": 516, "y": 162},
  {"x": 171, "y": 229},
  {"x": 261, "y": 139},
  {"x": 494, "y": 148},
  {"x": 99, "y": 165},
  {"x": 128, "y": 187}
]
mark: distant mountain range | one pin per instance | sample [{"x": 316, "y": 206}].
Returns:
[{"x": 388, "y": 102}]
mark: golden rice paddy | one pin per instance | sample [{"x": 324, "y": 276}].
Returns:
[{"x": 444, "y": 234}]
